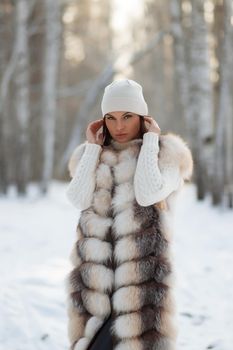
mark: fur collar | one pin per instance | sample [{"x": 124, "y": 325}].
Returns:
[
  {"x": 175, "y": 150},
  {"x": 120, "y": 146}
]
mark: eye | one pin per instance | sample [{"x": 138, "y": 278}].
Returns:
[
  {"x": 109, "y": 117},
  {"x": 128, "y": 116}
]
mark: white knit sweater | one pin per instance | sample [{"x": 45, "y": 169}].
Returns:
[{"x": 151, "y": 184}]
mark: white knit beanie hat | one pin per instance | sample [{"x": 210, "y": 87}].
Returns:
[{"x": 124, "y": 95}]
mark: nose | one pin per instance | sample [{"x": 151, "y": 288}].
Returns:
[{"x": 119, "y": 126}]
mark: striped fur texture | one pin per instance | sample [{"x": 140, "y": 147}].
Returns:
[{"x": 122, "y": 259}]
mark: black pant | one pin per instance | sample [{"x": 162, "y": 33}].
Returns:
[{"x": 103, "y": 338}]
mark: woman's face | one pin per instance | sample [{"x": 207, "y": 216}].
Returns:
[{"x": 123, "y": 126}]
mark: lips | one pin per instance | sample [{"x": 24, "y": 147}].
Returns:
[{"x": 121, "y": 135}]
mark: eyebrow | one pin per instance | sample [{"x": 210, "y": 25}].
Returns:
[{"x": 113, "y": 115}]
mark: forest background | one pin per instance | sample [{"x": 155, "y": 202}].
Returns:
[{"x": 56, "y": 58}]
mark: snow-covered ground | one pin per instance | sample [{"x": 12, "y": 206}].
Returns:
[
  {"x": 204, "y": 260},
  {"x": 36, "y": 236}
]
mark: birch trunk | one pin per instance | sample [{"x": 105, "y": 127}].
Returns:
[
  {"x": 3, "y": 176},
  {"x": 223, "y": 181},
  {"x": 5, "y": 134},
  {"x": 180, "y": 66},
  {"x": 229, "y": 113},
  {"x": 201, "y": 110},
  {"x": 49, "y": 87},
  {"x": 21, "y": 80},
  {"x": 3, "y": 162}
]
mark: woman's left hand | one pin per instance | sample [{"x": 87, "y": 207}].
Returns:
[{"x": 151, "y": 125}]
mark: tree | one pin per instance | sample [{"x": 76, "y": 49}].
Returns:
[
  {"x": 21, "y": 82},
  {"x": 223, "y": 165},
  {"x": 180, "y": 63},
  {"x": 201, "y": 103},
  {"x": 49, "y": 87}
]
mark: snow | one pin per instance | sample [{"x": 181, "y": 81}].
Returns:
[
  {"x": 37, "y": 235},
  {"x": 203, "y": 247}
]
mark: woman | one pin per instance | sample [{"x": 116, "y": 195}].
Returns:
[{"x": 125, "y": 177}]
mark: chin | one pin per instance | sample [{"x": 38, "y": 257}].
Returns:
[
  {"x": 122, "y": 139},
  {"x": 126, "y": 138}
]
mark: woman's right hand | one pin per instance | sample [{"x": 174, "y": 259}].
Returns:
[{"x": 92, "y": 134}]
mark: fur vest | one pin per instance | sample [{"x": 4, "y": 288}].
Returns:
[{"x": 122, "y": 259}]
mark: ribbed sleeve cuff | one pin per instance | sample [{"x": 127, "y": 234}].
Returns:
[
  {"x": 151, "y": 139},
  {"x": 92, "y": 149}
]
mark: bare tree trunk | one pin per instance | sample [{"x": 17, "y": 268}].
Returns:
[
  {"x": 3, "y": 162},
  {"x": 21, "y": 80},
  {"x": 201, "y": 107},
  {"x": 223, "y": 180},
  {"x": 49, "y": 87},
  {"x": 4, "y": 120},
  {"x": 229, "y": 104},
  {"x": 180, "y": 66}
]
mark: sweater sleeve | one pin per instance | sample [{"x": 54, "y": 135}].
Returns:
[
  {"x": 81, "y": 187},
  {"x": 153, "y": 183}
]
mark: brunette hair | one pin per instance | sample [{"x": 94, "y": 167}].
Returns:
[{"x": 107, "y": 137}]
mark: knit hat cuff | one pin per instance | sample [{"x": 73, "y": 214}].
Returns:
[{"x": 127, "y": 104}]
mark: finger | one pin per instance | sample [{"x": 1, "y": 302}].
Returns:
[
  {"x": 98, "y": 121},
  {"x": 99, "y": 131},
  {"x": 148, "y": 119},
  {"x": 147, "y": 124},
  {"x": 100, "y": 138},
  {"x": 95, "y": 125},
  {"x": 100, "y": 135}
]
